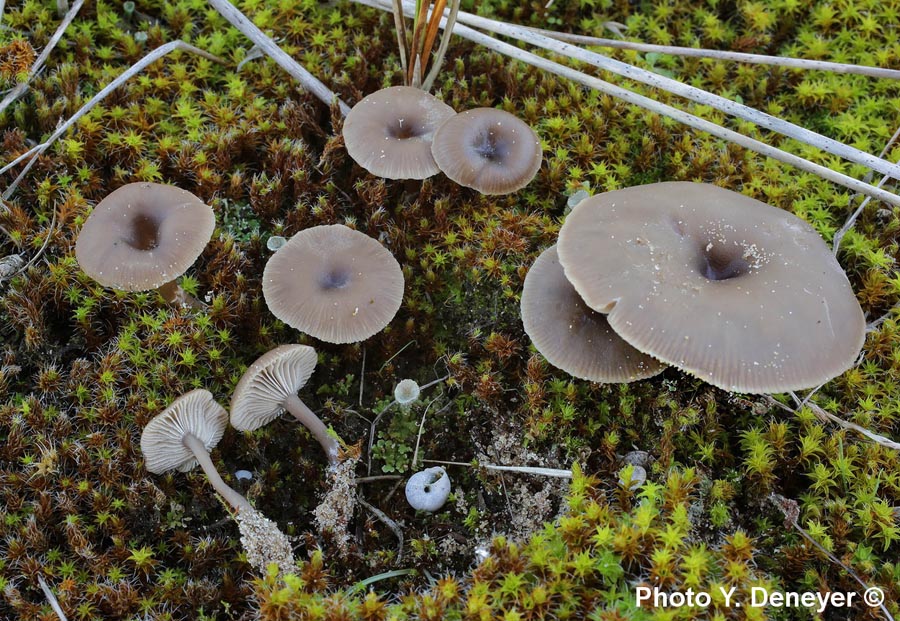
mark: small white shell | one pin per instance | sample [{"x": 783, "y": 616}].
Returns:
[
  {"x": 406, "y": 392},
  {"x": 428, "y": 490}
]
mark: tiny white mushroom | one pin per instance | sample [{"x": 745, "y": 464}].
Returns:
[
  {"x": 275, "y": 242},
  {"x": 638, "y": 477},
  {"x": 406, "y": 392},
  {"x": 428, "y": 490}
]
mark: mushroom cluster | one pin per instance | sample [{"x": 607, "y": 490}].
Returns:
[
  {"x": 405, "y": 133},
  {"x": 183, "y": 434},
  {"x": 738, "y": 293}
]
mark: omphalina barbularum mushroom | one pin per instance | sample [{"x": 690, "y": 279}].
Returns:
[
  {"x": 334, "y": 283},
  {"x": 572, "y": 336},
  {"x": 739, "y": 293},
  {"x": 487, "y": 149},
  {"x": 389, "y": 132},
  {"x": 179, "y": 438},
  {"x": 268, "y": 388},
  {"x": 143, "y": 236}
]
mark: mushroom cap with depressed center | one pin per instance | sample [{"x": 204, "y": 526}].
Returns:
[
  {"x": 259, "y": 396},
  {"x": 570, "y": 335},
  {"x": 334, "y": 283},
  {"x": 196, "y": 413},
  {"x": 489, "y": 150},
  {"x": 389, "y": 132},
  {"x": 739, "y": 293},
  {"x": 143, "y": 235}
]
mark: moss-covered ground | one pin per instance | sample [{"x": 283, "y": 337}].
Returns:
[{"x": 83, "y": 368}]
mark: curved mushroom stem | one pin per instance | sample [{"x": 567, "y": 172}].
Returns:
[
  {"x": 231, "y": 496},
  {"x": 308, "y": 419},
  {"x": 175, "y": 295}
]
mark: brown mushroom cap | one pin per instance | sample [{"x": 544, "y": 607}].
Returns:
[
  {"x": 742, "y": 294},
  {"x": 489, "y": 150},
  {"x": 196, "y": 413},
  {"x": 334, "y": 283},
  {"x": 143, "y": 235},
  {"x": 389, "y": 132},
  {"x": 570, "y": 335},
  {"x": 259, "y": 396}
]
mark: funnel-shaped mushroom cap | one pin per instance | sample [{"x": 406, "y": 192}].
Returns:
[
  {"x": 196, "y": 413},
  {"x": 334, "y": 283},
  {"x": 489, "y": 150},
  {"x": 389, "y": 132},
  {"x": 742, "y": 294},
  {"x": 143, "y": 236},
  {"x": 276, "y": 375},
  {"x": 570, "y": 335}
]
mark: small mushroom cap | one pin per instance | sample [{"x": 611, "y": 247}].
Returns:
[
  {"x": 489, "y": 150},
  {"x": 196, "y": 413},
  {"x": 334, "y": 283},
  {"x": 389, "y": 132},
  {"x": 428, "y": 490},
  {"x": 739, "y": 293},
  {"x": 143, "y": 235},
  {"x": 276, "y": 375},
  {"x": 570, "y": 335}
]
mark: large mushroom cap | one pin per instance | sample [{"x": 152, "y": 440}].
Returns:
[
  {"x": 143, "y": 235},
  {"x": 389, "y": 132},
  {"x": 259, "y": 396},
  {"x": 196, "y": 413},
  {"x": 742, "y": 294},
  {"x": 489, "y": 150},
  {"x": 334, "y": 283},
  {"x": 572, "y": 336}
]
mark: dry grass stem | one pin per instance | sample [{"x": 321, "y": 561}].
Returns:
[{"x": 740, "y": 57}]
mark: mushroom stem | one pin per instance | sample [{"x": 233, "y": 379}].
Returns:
[
  {"x": 175, "y": 295},
  {"x": 314, "y": 424},
  {"x": 231, "y": 496}
]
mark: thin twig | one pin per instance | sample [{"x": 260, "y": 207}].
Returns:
[
  {"x": 400, "y": 28},
  {"x": 22, "y": 87},
  {"x": 442, "y": 48},
  {"x": 665, "y": 110},
  {"x": 422, "y": 427},
  {"x": 43, "y": 247},
  {"x": 741, "y": 57},
  {"x": 546, "y": 472},
  {"x": 54, "y": 603},
  {"x": 839, "y": 236},
  {"x": 151, "y": 57},
  {"x": 362, "y": 376},
  {"x": 697, "y": 95},
  {"x": 395, "y": 528},
  {"x": 281, "y": 58},
  {"x": 791, "y": 511}
]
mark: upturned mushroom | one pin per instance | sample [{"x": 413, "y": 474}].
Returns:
[
  {"x": 739, "y": 293},
  {"x": 334, "y": 283},
  {"x": 389, "y": 132},
  {"x": 572, "y": 336},
  {"x": 182, "y": 435},
  {"x": 179, "y": 438},
  {"x": 144, "y": 236},
  {"x": 487, "y": 149},
  {"x": 269, "y": 387}
]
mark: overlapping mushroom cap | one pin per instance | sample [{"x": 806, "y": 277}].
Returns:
[
  {"x": 389, "y": 132},
  {"x": 334, "y": 283},
  {"x": 570, "y": 335},
  {"x": 143, "y": 235},
  {"x": 744, "y": 295},
  {"x": 489, "y": 150},
  {"x": 259, "y": 396},
  {"x": 196, "y": 413}
]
